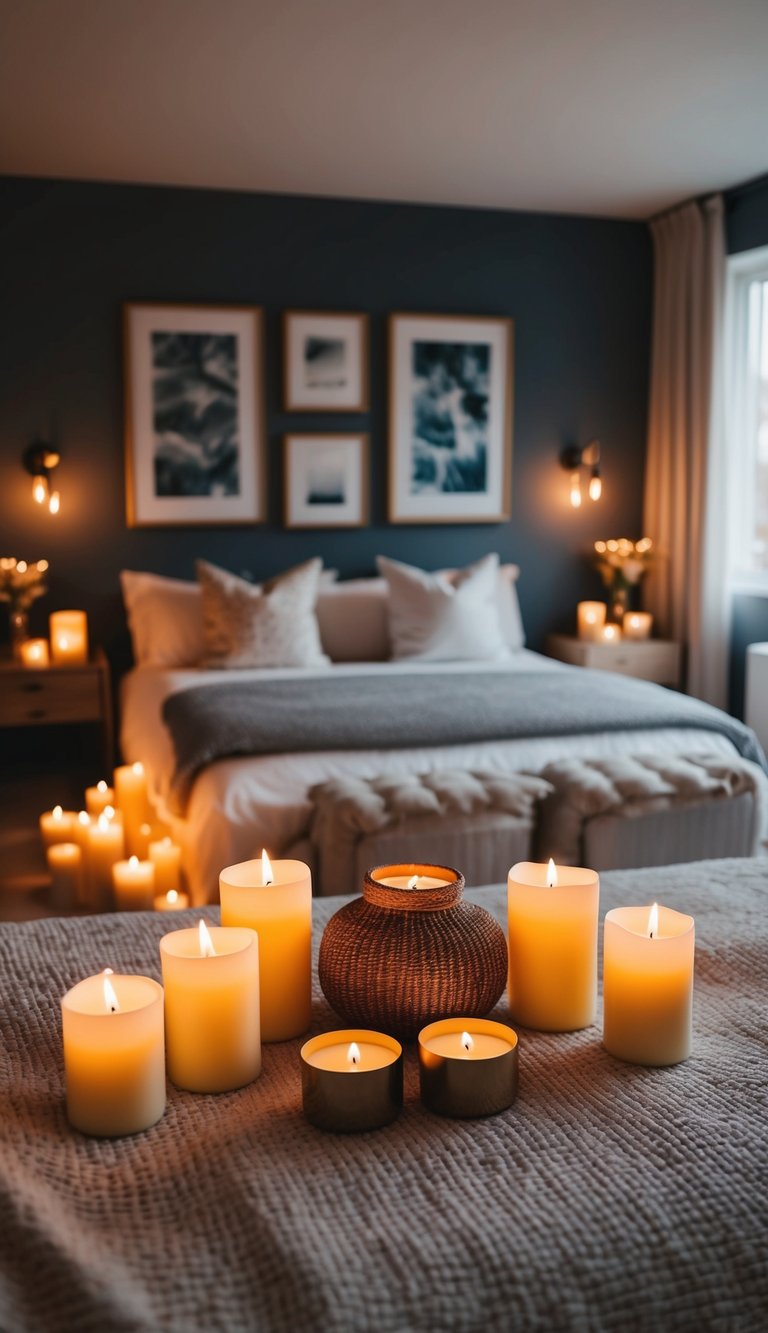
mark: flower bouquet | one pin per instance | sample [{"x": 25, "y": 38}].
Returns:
[
  {"x": 20, "y": 585},
  {"x": 622, "y": 564}
]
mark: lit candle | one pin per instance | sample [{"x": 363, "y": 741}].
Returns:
[
  {"x": 165, "y": 855},
  {"x": 468, "y": 1067},
  {"x": 552, "y": 946},
  {"x": 172, "y": 901},
  {"x": 637, "y": 625},
  {"x": 69, "y": 637},
  {"x": 352, "y": 1080},
  {"x": 132, "y": 800},
  {"x": 114, "y": 1054},
  {"x": 98, "y": 797},
  {"x": 591, "y": 618},
  {"x": 211, "y": 979},
  {"x": 648, "y": 984},
  {"x": 106, "y": 845},
  {"x": 34, "y": 653},
  {"x": 275, "y": 900},
  {"x": 142, "y": 840},
  {"x": 56, "y": 825},
  {"x": 412, "y": 882},
  {"x": 65, "y": 866},
  {"x": 610, "y": 633},
  {"x": 134, "y": 885}
]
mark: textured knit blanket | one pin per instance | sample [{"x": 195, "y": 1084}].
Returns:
[
  {"x": 372, "y": 712},
  {"x": 608, "y": 1197}
]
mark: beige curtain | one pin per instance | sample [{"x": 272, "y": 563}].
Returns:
[{"x": 685, "y": 482}]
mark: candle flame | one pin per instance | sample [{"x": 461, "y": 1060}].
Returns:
[
  {"x": 133, "y": 862},
  {"x": 412, "y": 882},
  {"x": 58, "y": 813},
  {"x": 653, "y": 922},
  {"x": 101, "y": 786},
  {"x": 267, "y": 874},
  {"x": 467, "y": 1042},
  {"x": 172, "y": 896},
  {"x": 108, "y": 812},
  {"x": 353, "y": 1054},
  {"x": 103, "y": 820},
  {"x": 206, "y": 943},
  {"x": 63, "y": 641},
  {"x": 110, "y": 998},
  {"x": 138, "y": 769},
  {"x": 551, "y": 874},
  {"x": 83, "y": 818}
]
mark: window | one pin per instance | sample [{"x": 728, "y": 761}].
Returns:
[{"x": 747, "y": 415}]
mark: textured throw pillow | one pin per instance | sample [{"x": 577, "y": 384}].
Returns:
[
  {"x": 165, "y": 619},
  {"x": 441, "y": 619},
  {"x": 269, "y": 626}
]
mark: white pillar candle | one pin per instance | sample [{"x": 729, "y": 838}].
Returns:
[
  {"x": 133, "y": 882},
  {"x": 637, "y": 625},
  {"x": 132, "y": 800},
  {"x": 165, "y": 855},
  {"x": 648, "y": 984},
  {"x": 69, "y": 637},
  {"x": 114, "y": 1054},
  {"x": 99, "y": 797},
  {"x": 553, "y": 946},
  {"x": 57, "y": 825},
  {"x": 211, "y": 980},
  {"x": 65, "y": 866},
  {"x": 34, "y": 653},
  {"x": 106, "y": 845},
  {"x": 275, "y": 900},
  {"x": 610, "y": 633},
  {"x": 172, "y": 901},
  {"x": 591, "y": 618}
]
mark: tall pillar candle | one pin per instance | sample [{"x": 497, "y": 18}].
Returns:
[
  {"x": 211, "y": 980},
  {"x": 552, "y": 946},
  {"x": 275, "y": 901},
  {"x": 106, "y": 845},
  {"x": 165, "y": 856},
  {"x": 69, "y": 637},
  {"x": 648, "y": 984},
  {"x": 65, "y": 866},
  {"x": 114, "y": 1054},
  {"x": 132, "y": 801}
]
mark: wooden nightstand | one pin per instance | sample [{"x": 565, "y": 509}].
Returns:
[
  {"x": 31, "y": 697},
  {"x": 648, "y": 659}
]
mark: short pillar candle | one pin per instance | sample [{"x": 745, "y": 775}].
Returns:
[
  {"x": 133, "y": 882},
  {"x": 591, "y": 618},
  {"x": 553, "y": 946},
  {"x": 34, "y": 653},
  {"x": 275, "y": 900},
  {"x": 648, "y": 957},
  {"x": 69, "y": 637},
  {"x": 352, "y": 1080},
  {"x": 165, "y": 856},
  {"x": 468, "y": 1067},
  {"x": 98, "y": 798},
  {"x": 57, "y": 825},
  {"x": 637, "y": 624},
  {"x": 65, "y": 866},
  {"x": 114, "y": 1054}
]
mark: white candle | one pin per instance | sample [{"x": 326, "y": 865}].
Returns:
[
  {"x": 99, "y": 797},
  {"x": 412, "y": 882},
  {"x": 106, "y": 845},
  {"x": 142, "y": 840},
  {"x": 34, "y": 653},
  {"x": 114, "y": 1054},
  {"x": 591, "y": 618},
  {"x": 132, "y": 801},
  {"x": 69, "y": 637},
  {"x": 172, "y": 901},
  {"x": 134, "y": 885},
  {"x": 57, "y": 825},
  {"x": 610, "y": 633},
  {"x": 553, "y": 946},
  {"x": 637, "y": 625},
  {"x": 648, "y": 984},
  {"x": 165, "y": 855},
  {"x": 65, "y": 866}
]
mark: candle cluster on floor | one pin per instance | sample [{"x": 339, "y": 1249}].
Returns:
[
  {"x": 228, "y": 988},
  {"x": 113, "y": 854}
]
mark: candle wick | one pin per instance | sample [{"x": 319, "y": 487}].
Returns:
[{"x": 267, "y": 883}]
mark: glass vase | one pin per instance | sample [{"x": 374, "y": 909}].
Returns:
[{"x": 19, "y": 623}]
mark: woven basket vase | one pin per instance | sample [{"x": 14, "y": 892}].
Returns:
[{"x": 397, "y": 959}]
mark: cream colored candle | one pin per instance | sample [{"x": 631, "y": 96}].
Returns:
[
  {"x": 591, "y": 618},
  {"x": 275, "y": 901},
  {"x": 211, "y": 979},
  {"x": 99, "y": 797},
  {"x": 552, "y": 946},
  {"x": 142, "y": 840},
  {"x": 637, "y": 625},
  {"x": 106, "y": 845},
  {"x": 132, "y": 800},
  {"x": 172, "y": 901},
  {"x": 57, "y": 825},
  {"x": 610, "y": 634},
  {"x": 648, "y": 984},
  {"x": 65, "y": 866},
  {"x": 114, "y": 1054},
  {"x": 133, "y": 882},
  {"x": 413, "y": 882},
  {"x": 69, "y": 637},
  {"x": 34, "y": 653},
  {"x": 165, "y": 855}
]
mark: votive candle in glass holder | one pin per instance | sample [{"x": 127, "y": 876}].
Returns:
[
  {"x": 35, "y": 653},
  {"x": 637, "y": 624},
  {"x": 590, "y": 618},
  {"x": 352, "y": 1080},
  {"x": 468, "y": 1067}
]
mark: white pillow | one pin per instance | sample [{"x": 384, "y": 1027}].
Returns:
[
  {"x": 509, "y": 607},
  {"x": 165, "y": 619},
  {"x": 440, "y": 619},
  {"x": 269, "y": 626},
  {"x": 354, "y": 620}
]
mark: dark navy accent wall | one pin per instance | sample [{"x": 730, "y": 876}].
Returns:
[{"x": 578, "y": 289}]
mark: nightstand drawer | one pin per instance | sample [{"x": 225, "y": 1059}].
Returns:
[{"x": 37, "y": 697}]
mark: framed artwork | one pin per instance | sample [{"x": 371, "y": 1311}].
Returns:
[
  {"x": 194, "y": 427},
  {"x": 450, "y": 430},
  {"x": 326, "y": 362},
  {"x": 326, "y": 481}
]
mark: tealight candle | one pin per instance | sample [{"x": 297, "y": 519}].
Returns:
[
  {"x": 552, "y": 946},
  {"x": 69, "y": 637},
  {"x": 106, "y": 845},
  {"x": 56, "y": 825},
  {"x": 34, "y": 653},
  {"x": 610, "y": 633},
  {"x": 591, "y": 618},
  {"x": 468, "y": 1067},
  {"x": 114, "y": 1054},
  {"x": 134, "y": 885},
  {"x": 165, "y": 855},
  {"x": 65, "y": 866},
  {"x": 417, "y": 878},
  {"x": 211, "y": 979},
  {"x": 172, "y": 901},
  {"x": 132, "y": 800},
  {"x": 637, "y": 625},
  {"x": 412, "y": 882},
  {"x": 99, "y": 797},
  {"x": 352, "y": 1080},
  {"x": 648, "y": 984},
  {"x": 275, "y": 900}
]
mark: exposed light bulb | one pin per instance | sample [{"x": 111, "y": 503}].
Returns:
[
  {"x": 39, "y": 490},
  {"x": 575, "y": 490},
  {"x": 54, "y": 503},
  {"x": 595, "y": 486}
]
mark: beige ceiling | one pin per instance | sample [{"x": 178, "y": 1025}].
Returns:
[{"x": 585, "y": 106}]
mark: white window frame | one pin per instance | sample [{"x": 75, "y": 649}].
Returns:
[{"x": 742, "y": 271}]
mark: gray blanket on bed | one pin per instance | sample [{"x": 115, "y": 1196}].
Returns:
[
  {"x": 609, "y": 1197},
  {"x": 385, "y": 712}
]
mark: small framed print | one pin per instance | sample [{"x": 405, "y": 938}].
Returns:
[
  {"x": 194, "y": 426},
  {"x": 326, "y": 481},
  {"x": 326, "y": 362},
  {"x": 450, "y": 442}
]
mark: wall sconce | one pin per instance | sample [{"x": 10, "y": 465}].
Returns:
[
  {"x": 573, "y": 459},
  {"x": 41, "y": 460}
]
